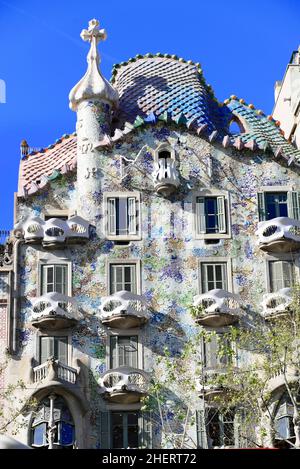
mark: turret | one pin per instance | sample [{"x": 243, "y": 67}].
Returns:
[{"x": 93, "y": 98}]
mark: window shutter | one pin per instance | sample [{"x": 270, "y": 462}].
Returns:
[
  {"x": 294, "y": 205},
  {"x": 104, "y": 430},
  {"x": 134, "y": 351},
  {"x": 62, "y": 350},
  {"x": 287, "y": 274},
  {"x": 46, "y": 348},
  {"x": 111, "y": 214},
  {"x": 224, "y": 276},
  {"x": 201, "y": 429},
  {"x": 221, "y": 214},
  {"x": 200, "y": 215},
  {"x": 145, "y": 430},
  {"x": 276, "y": 272},
  {"x": 261, "y": 203},
  {"x": 131, "y": 215},
  {"x": 113, "y": 352}
]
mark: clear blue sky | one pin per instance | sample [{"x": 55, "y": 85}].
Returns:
[{"x": 243, "y": 48}]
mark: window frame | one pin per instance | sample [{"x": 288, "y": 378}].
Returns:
[
  {"x": 51, "y": 260},
  {"x": 212, "y": 193},
  {"x": 125, "y": 417},
  {"x": 135, "y": 262},
  {"x": 261, "y": 192},
  {"x": 117, "y": 337},
  {"x": 60, "y": 333},
  {"x": 216, "y": 260},
  {"x": 123, "y": 332},
  {"x": 289, "y": 257},
  {"x": 123, "y": 195}
]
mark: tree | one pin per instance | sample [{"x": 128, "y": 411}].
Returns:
[{"x": 255, "y": 357}]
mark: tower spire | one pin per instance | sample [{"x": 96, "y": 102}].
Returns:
[{"x": 93, "y": 85}]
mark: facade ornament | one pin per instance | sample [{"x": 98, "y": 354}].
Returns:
[{"x": 93, "y": 85}]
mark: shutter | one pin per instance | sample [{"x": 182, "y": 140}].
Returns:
[
  {"x": 134, "y": 351},
  {"x": 200, "y": 215},
  {"x": 224, "y": 276},
  {"x": 287, "y": 274},
  {"x": 261, "y": 203},
  {"x": 62, "y": 349},
  {"x": 294, "y": 205},
  {"x": 145, "y": 430},
  {"x": 104, "y": 430},
  {"x": 211, "y": 351},
  {"x": 46, "y": 348},
  {"x": 276, "y": 279},
  {"x": 113, "y": 351},
  {"x": 111, "y": 215},
  {"x": 131, "y": 215},
  {"x": 201, "y": 429},
  {"x": 204, "y": 278},
  {"x": 221, "y": 214}
]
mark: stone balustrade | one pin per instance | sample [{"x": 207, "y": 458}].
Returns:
[
  {"x": 217, "y": 308},
  {"x": 54, "y": 311},
  {"x": 54, "y": 232},
  {"x": 276, "y": 304},
  {"x": 54, "y": 370},
  {"x": 124, "y": 385},
  {"x": 124, "y": 310},
  {"x": 165, "y": 176},
  {"x": 280, "y": 234}
]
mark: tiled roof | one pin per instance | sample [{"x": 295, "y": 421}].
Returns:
[
  {"x": 164, "y": 84},
  {"x": 38, "y": 168},
  {"x": 164, "y": 88}
]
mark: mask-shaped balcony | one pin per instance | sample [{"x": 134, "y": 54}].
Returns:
[
  {"x": 276, "y": 305},
  {"x": 124, "y": 385},
  {"x": 54, "y": 232},
  {"x": 280, "y": 234},
  {"x": 124, "y": 310},
  {"x": 54, "y": 311},
  {"x": 217, "y": 308},
  {"x": 53, "y": 371},
  {"x": 165, "y": 176},
  {"x": 210, "y": 386}
]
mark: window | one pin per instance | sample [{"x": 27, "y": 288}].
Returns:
[
  {"x": 284, "y": 427},
  {"x": 56, "y": 347},
  {"x": 281, "y": 274},
  {"x": 122, "y": 220},
  {"x": 55, "y": 278},
  {"x": 210, "y": 356},
  {"x": 210, "y": 215},
  {"x": 123, "y": 351},
  {"x": 125, "y": 430},
  {"x": 278, "y": 204},
  {"x": 213, "y": 275},
  {"x": 58, "y": 436},
  {"x": 220, "y": 428},
  {"x": 122, "y": 277}
]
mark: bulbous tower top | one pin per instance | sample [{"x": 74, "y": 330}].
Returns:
[{"x": 93, "y": 85}]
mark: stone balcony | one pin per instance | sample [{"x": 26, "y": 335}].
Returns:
[
  {"x": 217, "y": 308},
  {"x": 124, "y": 310},
  {"x": 55, "y": 232},
  {"x": 210, "y": 386},
  {"x": 165, "y": 177},
  {"x": 280, "y": 234},
  {"x": 277, "y": 382},
  {"x": 124, "y": 385},
  {"x": 276, "y": 305},
  {"x": 54, "y": 311},
  {"x": 53, "y": 371}
]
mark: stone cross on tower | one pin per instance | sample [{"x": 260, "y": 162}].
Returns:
[{"x": 93, "y": 35}]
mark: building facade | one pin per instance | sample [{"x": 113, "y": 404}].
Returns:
[{"x": 162, "y": 198}]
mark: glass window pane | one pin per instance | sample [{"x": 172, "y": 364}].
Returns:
[
  {"x": 122, "y": 227},
  {"x": 39, "y": 435},
  {"x": 117, "y": 430}
]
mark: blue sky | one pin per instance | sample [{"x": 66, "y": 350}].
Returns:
[{"x": 243, "y": 48}]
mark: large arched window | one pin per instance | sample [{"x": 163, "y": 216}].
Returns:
[{"x": 52, "y": 425}]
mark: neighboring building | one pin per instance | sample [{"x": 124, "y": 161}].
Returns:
[
  {"x": 153, "y": 204},
  {"x": 287, "y": 100}
]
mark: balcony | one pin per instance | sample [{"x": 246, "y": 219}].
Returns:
[
  {"x": 217, "y": 308},
  {"x": 54, "y": 232},
  {"x": 277, "y": 381},
  {"x": 54, "y": 311},
  {"x": 53, "y": 371},
  {"x": 124, "y": 310},
  {"x": 124, "y": 385},
  {"x": 210, "y": 387},
  {"x": 276, "y": 305},
  {"x": 280, "y": 234},
  {"x": 165, "y": 177}
]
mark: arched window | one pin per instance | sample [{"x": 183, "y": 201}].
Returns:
[
  {"x": 164, "y": 157},
  {"x": 236, "y": 127},
  {"x": 283, "y": 423},
  {"x": 52, "y": 426}
]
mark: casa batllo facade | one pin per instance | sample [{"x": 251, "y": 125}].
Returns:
[{"x": 162, "y": 198}]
